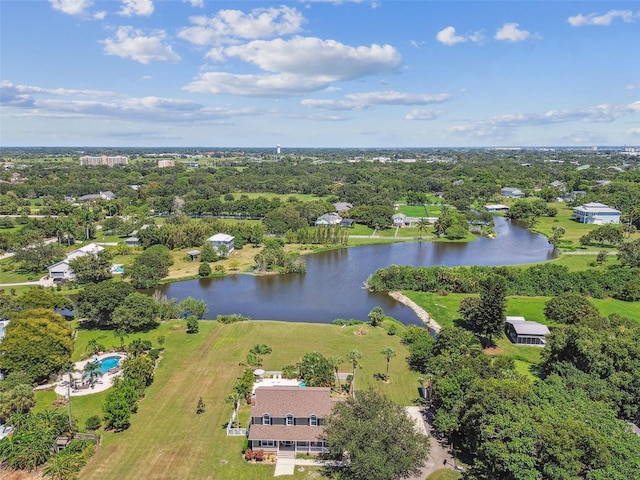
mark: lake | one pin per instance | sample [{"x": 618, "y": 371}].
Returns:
[{"x": 333, "y": 286}]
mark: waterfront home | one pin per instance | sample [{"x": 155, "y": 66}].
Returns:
[
  {"x": 496, "y": 207},
  {"x": 525, "y": 332},
  {"x": 329, "y": 219},
  {"x": 596, "y": 214},
  {"x": 402, "y": 220},
  {"x": 61, "y": 271},
  {"x": 289, "y": 420},
  {"x": 223, "y": 243}
]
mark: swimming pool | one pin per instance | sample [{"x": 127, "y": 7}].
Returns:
[{"x": 108, "y": 363}]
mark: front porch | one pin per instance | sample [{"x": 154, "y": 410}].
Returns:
[{"x": 290, "y": 447}]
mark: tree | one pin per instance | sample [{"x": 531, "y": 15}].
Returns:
[
  {"x": 96, "y": 303},
  {"x": 37, "y": 342},
  {"x": 19, "y": 399},
  {"x": 376, "y": 316},
  {"x": 335, "y": 363},
  {"x": 150, "y": 266},
  {"x": 570, "y": 308},
  {"x": 117, "y": 411},
  {"x": 93, "y": 347},
  {"x": 388, "y": 353},
  {"x": 36, "y": 258},
  {"x": 138, "y": 312},
  {"x": 235, "y": 398},
  {"x": 208, "y": 253},
  {"x": 140, "y": 369},
  {"x": 193, "y": 306},
  {"x": 192, "y": 324},
  {"x": 121, "y": 333},
  {"x": 92, "y": 372},
  {"x": 204, "y": 270},
  {"x": 378, "y": 437},
  {"x": 256, "y": 353},
  {"x": 316, "y": 370},
  {"x": 354, "y": 357},
  {"x": 92, "y": 268},
  {"x": 486, "y": 316},
  {"x": 422, "y": 225},
  {"x": 629, "y": 253},
  {"x": 200, "y": 408}
]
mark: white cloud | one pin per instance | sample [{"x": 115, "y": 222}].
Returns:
[
  {"x": 633, "y": 131},
  {"x": 397, "y": 98},
  {"x": 227, "y": 26},
  {"x": 322, "y": 59},
  {"x": 633, "y": 87},
  {"x": 71, "y": 7},
  {"x": 281, "y": 85},
  {"x": 511, "y": 33},
  {"x": 361, "y": 101},
  {"x": 597, "y": 113},
  {"x": 424, "y": 114},
  {"x": 195, "y": 3},
  {"x": 142, "y": 8},
  {"x": 448, "y": 37},
  {"x": 100, "y": 15},
  {"x": 132, "y": 43},
  {"x": 581, "y": 20},
  {"x": 54, "y": 103}
]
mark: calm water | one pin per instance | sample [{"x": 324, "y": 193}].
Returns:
[{"x": 333, "y": 285}]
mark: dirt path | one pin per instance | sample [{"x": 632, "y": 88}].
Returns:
[
  {"x": 420, "y": 312},
  {"x": 439, "y": 456}
]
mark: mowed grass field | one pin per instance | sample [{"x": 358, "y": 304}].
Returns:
[{"x": 168, "y": 440}]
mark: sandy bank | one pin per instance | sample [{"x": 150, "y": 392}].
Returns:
[{"x": 420, "y": 312}]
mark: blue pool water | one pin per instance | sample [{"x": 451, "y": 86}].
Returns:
[
  {"x": 119, "y": 269},
  {"x": 108, "y": 363}
]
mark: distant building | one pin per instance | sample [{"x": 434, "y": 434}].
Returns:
[
  {"x": 3, "y": 325},
  {"x": 342, "y": 206},
  {"x": 166, "y": 163},
  {"x": 496, "y": 207},
  {"x": 596, "y": 214},
  {"x": 88, "y": 161},
  {"x": 328, "y": 219},
  {"x": 97, "y": 196},
  {"x": 222, "y": 242},
  {"x": 525, "y": 332},
  {"x": 512, "y": 192}
]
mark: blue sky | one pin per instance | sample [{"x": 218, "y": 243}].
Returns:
[{"x": 317, "y": 73}]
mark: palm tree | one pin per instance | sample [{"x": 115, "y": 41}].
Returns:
[
  {"x": 235, "y": 398},
  {"x": 335, "y": 363},
  {"x": 92, "y": 372},
  {"x": 120, "y": 333},
  {"x": 388, "y": 352},
  {"x": 421, "y": 225},
  {"x": 354, "y": 357},
  {"x": 62, "y": 467},
  {"x": 93, "y": 346},
  {"x": 256, "y": 353},
  {"x": 425, "y": 386}
]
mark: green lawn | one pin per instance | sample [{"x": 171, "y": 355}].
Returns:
[
  {"x": 168, "y": 440},
  {"x": 444, "y": 474}
]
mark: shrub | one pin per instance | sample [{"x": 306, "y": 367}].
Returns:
[
  {"x": 204, "y": 270},
  {"x": 93, "y": 423},
  {"x": 233, "y": 318},
  {"x": 192, "y": 324},
  {"x": 154, "y": 353}
]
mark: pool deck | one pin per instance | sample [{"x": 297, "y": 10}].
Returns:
[{"x": 102, "y": 384}]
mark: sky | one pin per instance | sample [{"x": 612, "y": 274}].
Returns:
[{"x": 319, "y": 73}]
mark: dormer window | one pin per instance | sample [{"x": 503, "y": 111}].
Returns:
[
  {"x": 290, "y": 420},
  {"x": 313, "y": 421},
  {"x": 266, "y": 419}
]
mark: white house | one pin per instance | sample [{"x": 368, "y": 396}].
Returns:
[
  {"x": 222, "y": 240},
  {"x": 3, "y": 325},
  {"x": 525, "y": 332},
  {"x": 61, "y": 271},
  {"x": 596, "y": 214},
  {"x": 329, "y": 219}
]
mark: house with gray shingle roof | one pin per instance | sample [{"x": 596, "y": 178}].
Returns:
[{"x": 289, "y": 420}]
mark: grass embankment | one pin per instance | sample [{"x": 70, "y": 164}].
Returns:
[
  {"x": 444, "y": 310},
  {"x": 168, "y": 440}
]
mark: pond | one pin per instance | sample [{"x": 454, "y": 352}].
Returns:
[{"x": 333, "y": 286}]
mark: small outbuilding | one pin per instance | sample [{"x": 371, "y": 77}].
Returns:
[
  {"x": 193, "y": 254},
  {"x": 525, "y": 332},
  {"x": 132, "y": 242}
]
